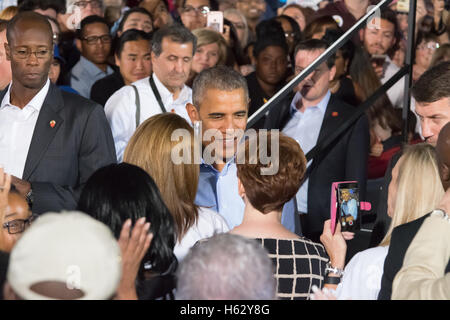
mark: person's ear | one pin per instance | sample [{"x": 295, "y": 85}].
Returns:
[
  {"x": 332, "y": 73},
  {"x": 78, "y": 44},
  {"x": 193, "y": 112},
  {"x": 241, "y": 189},
  {"x": 117, "y": 60},
  {"x": 7, "y": 51}
]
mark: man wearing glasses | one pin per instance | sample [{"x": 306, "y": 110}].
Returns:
[
  {"x": 194, "y": 13},
  {"x": 50, "y": 141},
  {"x": 94, "y": 42},
  {"x": 87, "y": 8}
]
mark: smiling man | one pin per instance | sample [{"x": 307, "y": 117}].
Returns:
[
  {"x": 312, "y": 115},
  {"x": 50, "y": 141},
  {"x": 164, "y": 91},
  {"x": 220, "y": 102}
]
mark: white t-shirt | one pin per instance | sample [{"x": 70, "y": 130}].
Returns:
[
  {"x": 208, "y": 224},
  {"x": 362, "y": 277}
]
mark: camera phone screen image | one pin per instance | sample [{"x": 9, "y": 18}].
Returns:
[{"x": 348, "y": 207}]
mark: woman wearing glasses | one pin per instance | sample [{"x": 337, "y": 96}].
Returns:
[
  {"x": 426, "y": 45},
  {"x": 194, "y": 13},
  {"x": 15, "y": 218}
]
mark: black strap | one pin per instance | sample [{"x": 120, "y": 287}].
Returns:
[
  {"x": 156, "y": 93},
  {"x": 331, "y": 280},
  {"x": 138, "y": 106}
]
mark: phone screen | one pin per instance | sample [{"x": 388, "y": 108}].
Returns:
[
  {"x": 215, "y": 21},
  {"x": 348, "y": 200},
  {"x": 403, "y": 6}
]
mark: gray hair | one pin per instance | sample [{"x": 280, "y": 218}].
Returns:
[
  {"x": 231, "y": 11},
  {"x": 176, "y": 33},
  {"x": 221, "y": 78},
  {"x": 226, "y": 267}
]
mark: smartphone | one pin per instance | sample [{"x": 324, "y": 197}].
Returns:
[
  {"x": 348, "y": 206},
  {"x": 403, "y": 6},
  {"x": 215, "y": 21},
  {"x": 378, "y": 59}
]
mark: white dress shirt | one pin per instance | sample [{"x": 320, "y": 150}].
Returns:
[
  {"x": 16, "y": 130},
  {"x": 395, "y": 93},
  {"x": 304, "y": 127},
  {"x": 362, "y": 275},
  {"x": 120, "y": 108},
  {"x": 208, "y": 224}
]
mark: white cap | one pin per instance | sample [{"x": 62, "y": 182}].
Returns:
[{"x": 69, "y": 247}]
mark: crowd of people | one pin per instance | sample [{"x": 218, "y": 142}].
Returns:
[{"x": 128, "y": 169}]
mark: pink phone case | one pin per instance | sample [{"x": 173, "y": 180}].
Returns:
[{"x": 364, "y": 206}]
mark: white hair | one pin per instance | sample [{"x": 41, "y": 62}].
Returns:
[{"x": 226, "y": 267}]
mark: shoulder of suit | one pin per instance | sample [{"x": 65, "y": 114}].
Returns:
[{"x": 72, "y": 100}]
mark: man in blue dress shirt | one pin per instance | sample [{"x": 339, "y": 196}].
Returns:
[
  {"x": 94, "y": 43},
  {"x": 220, "y": 102}
]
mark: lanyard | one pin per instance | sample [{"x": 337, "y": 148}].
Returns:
[{"x": 156, "y": 93}]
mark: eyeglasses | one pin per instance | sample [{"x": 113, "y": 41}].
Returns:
[
  {"x": 19, "y": 225},
  {"x": 83, "y": 4},
  {"x": 24, "y": 53},
  {"x": 204, "y": 10},
  {"x": 106, "y": 38},
  {"x": 239, "y": 25},
  {"x": 289, "y": 34},
  {"x": 430, "y": 46}
]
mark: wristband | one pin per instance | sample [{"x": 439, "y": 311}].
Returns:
[{"x": 332, "y": 280}]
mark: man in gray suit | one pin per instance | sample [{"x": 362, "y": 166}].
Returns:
[{"x": 50, "y": 141}]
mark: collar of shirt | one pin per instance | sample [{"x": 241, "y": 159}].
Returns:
[
  {"x": 92, "y": 69},
  {"x": 210, "y": 167},
  {"x": 35, "y": 103},
  {"x": 322, "y": 105},
  {"x": 167, "y": 96}
]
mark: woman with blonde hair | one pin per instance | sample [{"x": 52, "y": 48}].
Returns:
[
  {"x": 211, "y": 51},
  {"x": 414, "y": 191},
  {"x": 153, "y": 149}
]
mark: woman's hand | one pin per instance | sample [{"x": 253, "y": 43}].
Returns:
[
  {"x": 133, "y": 247},
  {"x": 334, "y": 244}
]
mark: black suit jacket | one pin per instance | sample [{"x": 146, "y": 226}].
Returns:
[
  {"x": 104, "y": 88},
  {"x": 344, "y": 160},
  {"x": 61, "y": 158},
  {"x": 401, "y": 238}
]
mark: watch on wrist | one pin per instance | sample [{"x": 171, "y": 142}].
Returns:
[{"x": 330, "y": 269}]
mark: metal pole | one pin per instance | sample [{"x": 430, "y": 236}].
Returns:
[
  {"x": 325, "y": 55},
  {"x": 409, "y": 59}
]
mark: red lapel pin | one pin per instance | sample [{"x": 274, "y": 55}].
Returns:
[
  {"x": 334, "y": 114},
  {"x": 52, "y": 123}
]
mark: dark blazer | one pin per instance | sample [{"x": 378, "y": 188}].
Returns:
[
  {"x": 61, "y": 158},
  {"x": 401, "y": 238},
  {"x": 344, "y": 160},
  {"x": 104, "y": 88}
]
